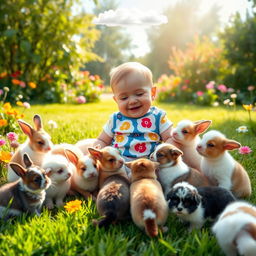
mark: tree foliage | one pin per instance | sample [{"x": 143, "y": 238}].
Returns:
[
  {"x": 183, "y": 23},
  {"x": 36, "y": 36},
  {"x": 112, "y": 45}
]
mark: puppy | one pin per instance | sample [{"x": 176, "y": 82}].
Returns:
[
  {"x": 235, "y": 229},
  {"x": 85, "y": 176},
  {"x": 27, "y": 194},
  {"x": 186, "y": 137},
  {"x": 36, "y": 146},
  {"x": 195, "y": 205},
  {"x": 113, "y": 199},
  {"x": 59, "y": 170},
  {"x": 218, "y": 164},
  {"x": 172, "y": 169},
  {"x": 148, "y": 206}
]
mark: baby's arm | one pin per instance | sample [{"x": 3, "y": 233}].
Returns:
[
  {"x": 103, "y": 140},
  {"x": 166, "y": 135}
]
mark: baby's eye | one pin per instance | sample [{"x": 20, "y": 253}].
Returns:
[
  {"x": 139, "y": 94},
  {"x": 210, "y": 145},
  {"x": 184, "y": 131},
  {"x": 124, "y": 98}
]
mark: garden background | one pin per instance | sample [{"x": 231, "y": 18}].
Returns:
[{"x": 55, "y": 62}]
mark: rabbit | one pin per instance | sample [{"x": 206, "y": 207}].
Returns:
[
  {"x": 59, "y": 170},
  {"x": 84, "y": 144},
  {"x": 186, "y": 137},
  {"x": 36, "y": 146},
  {"x": 27, "y": 194},
  {"x": 219, "y": 165}
]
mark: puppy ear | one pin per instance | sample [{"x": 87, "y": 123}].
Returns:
[
  {"x": 27, "y": 161},
  {"x": 71, "y": 156},
  {"x": 176, "y": 153},
  {"x": 202, "y": 126},
  {"x": 96, "y": 154},
  {"x": 37, "y": 122},
  {"x": 26, "y": 128},
  {"x": 197, "y": 197},
  {"x": 19, "y": 170},
  {"x": 231, "y": 144}
]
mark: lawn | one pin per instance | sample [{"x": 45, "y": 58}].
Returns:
[{"x": 62, "y": 233}]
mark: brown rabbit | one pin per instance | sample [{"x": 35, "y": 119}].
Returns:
[
  {"x": 36, "y": 146},
  {"x": 27, "y": 194}
]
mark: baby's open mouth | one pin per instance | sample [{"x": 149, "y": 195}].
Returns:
[{"x": 134, "y": 108}]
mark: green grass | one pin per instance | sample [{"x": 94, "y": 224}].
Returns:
[{"x": 60, "y": 233}]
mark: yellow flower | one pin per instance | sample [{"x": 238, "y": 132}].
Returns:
[
  {"x": 247, "y": 107},
  {"x": 153, "y": 136},
  {"x": 125, "y": 126},
  {"x": 119, "y": 138},
  {"x": 164, "y": 119},
  {"x": 5, "y": 156},
  {"x": 19, "y": 103},
  {"x": 73, "y": 206},
  {"x": 32, "y": 85},
  {"x": 3, "y": 122},
  {"x": 7, "y": 106},
  {"x": 4, "y": 74}
]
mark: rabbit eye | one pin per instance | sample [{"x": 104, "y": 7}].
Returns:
[
  {"x": 83, "y": 169},
  {"x": 111, "y": 160},
  {"x": 159, "y": 155},
  {"x": 184, "y": 131},
  {"x": 40, "y": 143},
  {"x": 38, "y": 180},
  {"x": 210, "y": 145},
  {"x": 60, "y": 171},
  {"x": 94, "y": 166}
]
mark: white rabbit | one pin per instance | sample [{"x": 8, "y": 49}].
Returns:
[{"x": 36, "y": 146}]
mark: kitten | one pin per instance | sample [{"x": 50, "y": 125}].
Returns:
[
  {"x": 148, "y": 206},
  {"x": 195, "y": 205}
]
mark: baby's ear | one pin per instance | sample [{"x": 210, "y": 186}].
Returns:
[
  {"x": 153, "y": 92},
  {"x": 231, "y": 144}
]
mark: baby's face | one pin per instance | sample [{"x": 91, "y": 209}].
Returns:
[{"x": 133, "y": 100}]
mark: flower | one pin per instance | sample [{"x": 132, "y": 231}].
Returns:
[
  {"x": 199, "y": 93},
  {"x": 222, "y": 88},
  {"x": 19, "y": 103},
  {"x": 14, "y": 144},
  {"x": 251, "y": 88},
  {"x": 233, "y": 96},
  {"x": 3, "y": 122},
  {"x": 146, "y": 123},
  {"x": 230, "y": 90},
  {"x": 140, "y": 147},
  {"x": 244, "y": 150},
  {"x": 73, "y": 206},
  {"x": 210, "y": 85},
  {"x": 26, "y": 105},
  {"x": 247, "y": 107},
  {"x": 1, "y": 92},
  {"x": 80, "y": 99},
  {"x": 5, "y": 156},
  {"x": 6, "y": 89},
  {"x": 184, "y": 87},
  {"x": 22, "y": 84},
  {"x": 16, "y": 81},
  {"x": 32, "y": 85},
  {"x": 215, "y": 104},
  {"x": 12, "y": 136},
  {"x": 242, "y": 129},
  {"x": 231, "y": 104},
  {"x": 2, "y": 142},
  {"x": 52, "y": 124},
  {"x": 225, "y": 102}
]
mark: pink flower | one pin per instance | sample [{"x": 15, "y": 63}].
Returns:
[
  {"x": 222, "y": 88},
  {"x": 210, "y": 85},
  {"x": 146, "y": 123},
  {"x": 184, "y": 87},
  {"x": 250, "y": 88},
  {"x": 22, "y": 84},
  {"x": 12, "y": 136},
  {"x": 80, "y": 99},
  {"x": 2, "y": 142},
  {"x": 26, "y": 105},
  {"x": 140, "y": 147},
  {"x": 1, "y": 92},
  {"x": 14, "y": 144},
  {"x": 245, "y": 150},
  {"x": 199, "y": 93},
  {"x": 231, "y": 90}
]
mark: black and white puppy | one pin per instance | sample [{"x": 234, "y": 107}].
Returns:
[{"x": 195, "y": 205}]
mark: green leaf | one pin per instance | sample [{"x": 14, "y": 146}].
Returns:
[{"x": 10, "y": 32}]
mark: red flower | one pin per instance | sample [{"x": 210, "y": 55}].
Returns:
[
  {"x": 140, "y": 147},
  {"x": 146, "y": 123}
]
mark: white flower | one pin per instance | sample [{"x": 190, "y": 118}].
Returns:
[
  {"x": 242, "y": 128},
  {"x": 215, "y": 104},
  {"x": 52, "y": 124},
  {"x": 231, "y": 104},
  {"x": 225, "y": 102},
  {"x": 233, "y": 96}
]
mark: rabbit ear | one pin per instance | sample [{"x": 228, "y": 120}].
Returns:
[
  {"x": 26, "y": 128},
  {"x": 19, "y": 170},
  {"x": 96, "y": 154},
  {"x": 27, "y": 161},
  {"x": 202, "y": 126},
  {"x": 37, "y": 122},
  {"x": 231, "y": 144},
  {"x": 71, "y": 156},
  {"x": 176, "y": 153}
]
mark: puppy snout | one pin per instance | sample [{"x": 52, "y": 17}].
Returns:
[
  {"x": 91, "y": 175},
  {"x": 179, "y": 209},
  {"x": 199, "y": 147}
]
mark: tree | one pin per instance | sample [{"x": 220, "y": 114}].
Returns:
[
  {"x": 39, "y": 36},
  {"x": 184, "y": 23},
  {"x": 111, "y": 47}
]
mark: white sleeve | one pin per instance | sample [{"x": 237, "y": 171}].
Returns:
[
  {"x": 109, "y": 126},
  {"x": 165, "y": 123}
]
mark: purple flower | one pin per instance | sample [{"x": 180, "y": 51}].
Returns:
[
  {"x": 2, "y": 142},
  {"x": 80, "y": 99},
  {"x": 12, "y": 136},
  {"x": 222, "y": 88},
  {"x": 245, "y": 150}
]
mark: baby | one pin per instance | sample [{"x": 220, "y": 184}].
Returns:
[{"x": 138, "y": 127}]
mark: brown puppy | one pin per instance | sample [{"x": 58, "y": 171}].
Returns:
[
  {"x": 173, "y": 170},
  {"x": 148, "y": 206},
  {"x": 113, "y": 199}
]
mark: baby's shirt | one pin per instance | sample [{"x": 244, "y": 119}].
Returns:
[{"x": 137, "y": 137}]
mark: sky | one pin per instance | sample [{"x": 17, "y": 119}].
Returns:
[{"x": 155, "y": 8}]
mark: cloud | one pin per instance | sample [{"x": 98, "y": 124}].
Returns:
[{"x": 129, "y": 17}]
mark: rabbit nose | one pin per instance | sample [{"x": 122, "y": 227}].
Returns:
[
  {"x": 175, "y": 133},
  {"x": 49, "y": 148},
  {"x": 199, "y": 147},
  {"x": 91, "y": 175}
]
